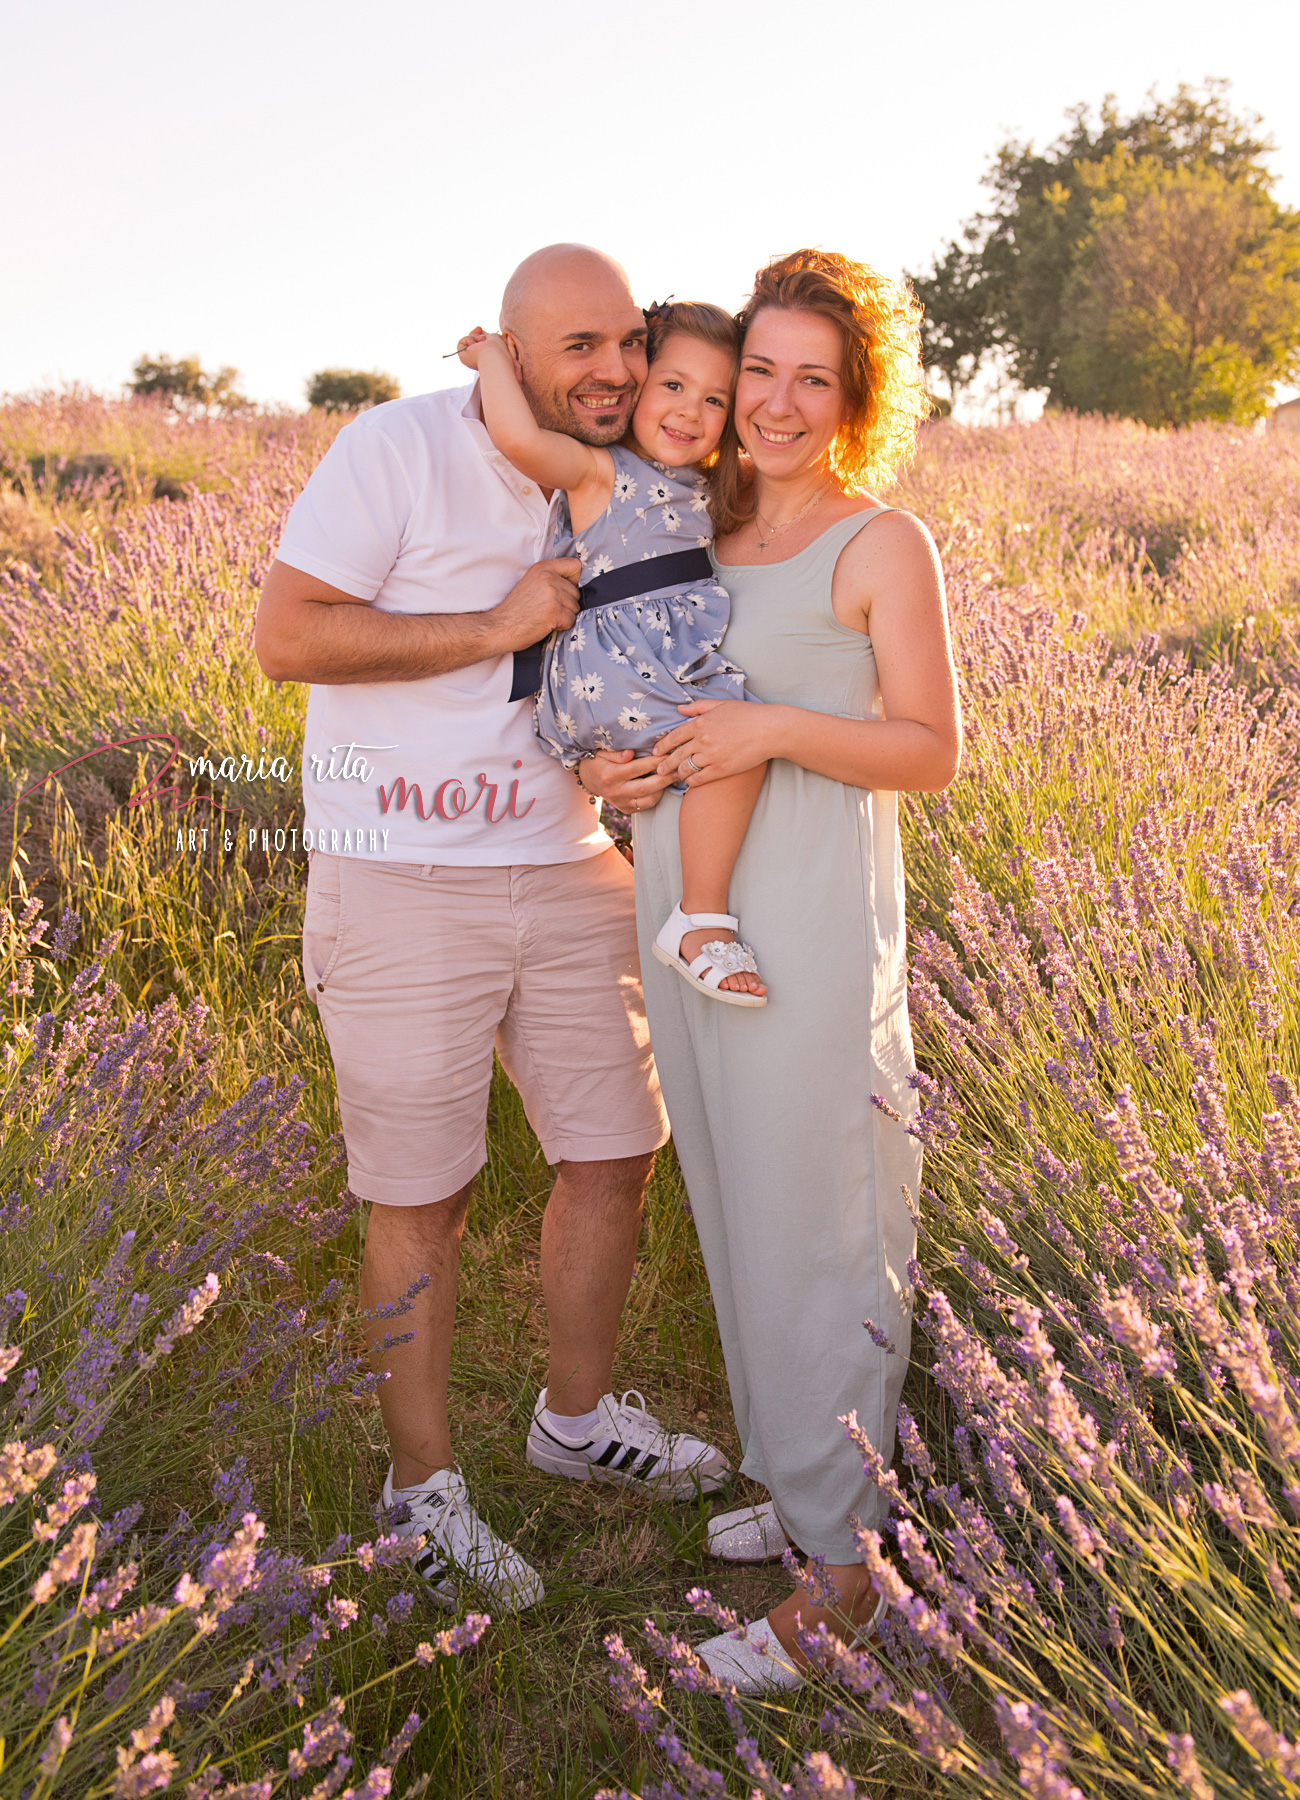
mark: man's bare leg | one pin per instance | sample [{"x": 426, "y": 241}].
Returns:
[
  {"x": 589, "y": 1237},
  {"x": 403, "y": 1243}
]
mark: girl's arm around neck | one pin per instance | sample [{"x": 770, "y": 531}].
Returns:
[{"x": 551, "y": 458}]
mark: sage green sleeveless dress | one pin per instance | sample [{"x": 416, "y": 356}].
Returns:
[{"x": 795, "y": 1178}]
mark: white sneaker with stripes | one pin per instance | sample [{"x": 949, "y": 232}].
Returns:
[
  {"x": 628, "y": 1446},
  {"x": 460, "y": 1547}
]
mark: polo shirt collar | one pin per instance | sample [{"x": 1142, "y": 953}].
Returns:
[{"x": 472, "y": 414}]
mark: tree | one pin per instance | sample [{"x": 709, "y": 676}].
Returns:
[
  {"x": 186, "y": 386},
  {"x": 955, "y": 331},
  {"x": 1064, "y": 240},
  {"x": 351, "y": 390},
  {"x": 1184, "y": 302}
]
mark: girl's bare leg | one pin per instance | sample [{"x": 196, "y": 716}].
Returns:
[{"x": 711, "y": 828}]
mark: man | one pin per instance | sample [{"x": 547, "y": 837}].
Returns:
[{"x": 463, "y": 892}]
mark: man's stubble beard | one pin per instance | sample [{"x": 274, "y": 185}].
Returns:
[{"x": 554, "y": 413}]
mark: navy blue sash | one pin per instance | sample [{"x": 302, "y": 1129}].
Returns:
[{"x": 646, "y": 577}]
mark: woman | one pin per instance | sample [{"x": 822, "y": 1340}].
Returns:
[{"x": 796, "y": 1179}]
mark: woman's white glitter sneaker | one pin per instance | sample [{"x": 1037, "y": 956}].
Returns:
[
  {"x": 754, "y": 1664},
  {"x": 460, "y": 1544},
  {"x": 751, "y": 1534},
  {"x": 758, "y": 1663},
  {"x": 627, "y": 1446}
]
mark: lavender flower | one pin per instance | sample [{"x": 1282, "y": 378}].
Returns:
[
  {"x": 66, "y": 1563},
  {"x": 186, "y": 1316},
  {"x": 1037, "y": 1749},
  {"x": 631, "y": 1684},
  {"x": 702, "y": 1603},
  {"x": 812, "y": 1577},
  {"x": 1086, "y": 1543},
  {"x": 1259, "y": 1736},
  {"x": 460, "y": 1637},
  {"x": 915, "y": 1453},
  {"x": 1104, "y": 932},
  {"x": 1130, "y": 1327},
  {"x": 387, "y": 1552},
  {"x": 56, "y": 1746},
  {"x": 109, "y": 1591},
  {"x": 74, "y": 1496},
  {"x": 228, "y": 1572},
  {"x": 152, "y": 1772},
  {"x": 938, "y": 1736},
  {"x": 323, "y": 1738},
  {"x": 1183, "y": 1761},
  {"x": 22, "y": 1470}
]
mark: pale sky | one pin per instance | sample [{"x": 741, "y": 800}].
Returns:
[{"x": 283, "y": 186}]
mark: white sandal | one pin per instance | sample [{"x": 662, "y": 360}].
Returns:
[{"x": 714, "y": 963}]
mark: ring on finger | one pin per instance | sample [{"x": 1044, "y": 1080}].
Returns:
[{"x": 692, "y": 765}]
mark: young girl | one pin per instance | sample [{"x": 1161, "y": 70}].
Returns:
[{"x": 646, "y": 640}]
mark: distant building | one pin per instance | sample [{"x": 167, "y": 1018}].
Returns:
[{"x": 1286, "y": 417}]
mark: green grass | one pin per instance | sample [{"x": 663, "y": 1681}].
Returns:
[
  {"x": 1065, "y": 756},
  {"x": 528, "y": 1713}
]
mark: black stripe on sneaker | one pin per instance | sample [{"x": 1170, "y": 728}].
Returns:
[
  {"x": 647, "y": 1463},
  {"x": 628, "y": 1457},
  {"x": 608, "y": 1454},
  {"x": 562, "y": 1443},
  {"x": 431, "y": 1568}
]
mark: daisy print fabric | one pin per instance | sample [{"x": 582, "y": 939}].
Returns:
[{"x": 615, "y": 680}]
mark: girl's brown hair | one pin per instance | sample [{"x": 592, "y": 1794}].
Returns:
[
  {"x": 692, "y": 318},
  {"x": 885, "y": 401}
]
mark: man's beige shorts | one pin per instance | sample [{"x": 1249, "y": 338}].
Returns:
[{"x": 419, "y": 971}]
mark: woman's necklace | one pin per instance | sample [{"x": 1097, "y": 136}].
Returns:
[{"x": 804, "y": 510}]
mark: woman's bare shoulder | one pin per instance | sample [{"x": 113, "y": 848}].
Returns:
[
  {"x": 896, "y": 538},
  {"x": 893, "y": 557}
]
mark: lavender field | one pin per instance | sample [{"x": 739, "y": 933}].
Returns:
[{"x": 1093, "y": 1561}]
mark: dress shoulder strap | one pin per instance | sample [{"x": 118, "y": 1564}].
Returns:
[
  {"x": 826, "y": 551},
  {"x": 826, "y": 548},
  {"x": 847, "y": 529}
]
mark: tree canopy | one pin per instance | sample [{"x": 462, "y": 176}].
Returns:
[
  {"x": 350, "y": 390},
  {"x": 1138, "y": 266},
  {"x": 185, "y": 385}
]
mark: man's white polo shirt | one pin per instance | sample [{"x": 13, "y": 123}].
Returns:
[{"x": 414, "y": 509}]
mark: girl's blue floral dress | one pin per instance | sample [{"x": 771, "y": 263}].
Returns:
[{"x": 615, "y": 680}]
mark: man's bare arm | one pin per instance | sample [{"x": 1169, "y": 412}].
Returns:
[{"x": 307, "y": 630}]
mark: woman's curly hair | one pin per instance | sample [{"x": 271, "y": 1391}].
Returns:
[{"x": 879, "y": 321}]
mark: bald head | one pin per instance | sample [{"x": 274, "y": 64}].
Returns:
[
  {"x": 552, "y": 276},
  {"x": 579, "y": 339}
]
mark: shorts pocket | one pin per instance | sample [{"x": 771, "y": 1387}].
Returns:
[{"x": 323, "y": 922}]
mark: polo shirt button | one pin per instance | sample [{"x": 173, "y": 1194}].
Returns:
[{"x": 525, "y": 489}]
